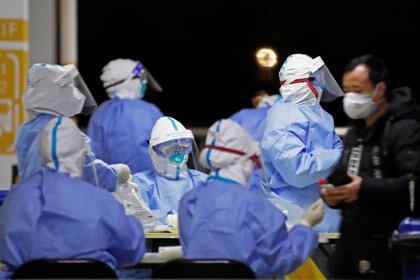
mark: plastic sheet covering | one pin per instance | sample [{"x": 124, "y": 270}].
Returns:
[{"x": 128, "y": 195}]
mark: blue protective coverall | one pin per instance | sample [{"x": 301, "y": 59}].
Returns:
[
  {"x": 29, "y": 161},
  {"x": 299, "y": 147},
  {"x": 119, "y": 130},
  {"x": 52, "y": 215},
  {"x": 254, "y": 121},
  {"x": 162, "y": 194},
  {"x": 223, "y": 220}
]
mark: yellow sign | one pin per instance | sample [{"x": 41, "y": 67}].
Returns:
[
  {"x": 12, "y": 81},
  {"x": 13, "y": 68},
  {"x": 13, "y": 30}
]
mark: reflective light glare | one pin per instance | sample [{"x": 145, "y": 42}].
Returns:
[{"x": 266, "y": 57}]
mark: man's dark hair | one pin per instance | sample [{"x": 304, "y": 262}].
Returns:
[{"x": 378, "y": 71}]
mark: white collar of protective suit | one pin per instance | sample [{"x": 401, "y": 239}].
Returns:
[{"x": 62, "y": 147}]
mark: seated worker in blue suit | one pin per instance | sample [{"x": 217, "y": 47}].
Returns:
[
  {"x": 300, "y": 145},
  {"x": 55, "y": 215},
  {"x": 162, "y": 187},
  {"x": 55, "y": 93},
  {"x": 121, "y": 126},
  {"x": 223, "y": 219}
]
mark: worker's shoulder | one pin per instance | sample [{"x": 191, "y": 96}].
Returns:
[
  {"x": 250, "y": 111},
  {"x": 28, "y": 187},
  {"x": 145, "y": 177},
  {"x": 405, "y": 124},
  {"x": 198, "y": 174},
  {"x": 288, "y": 110}
]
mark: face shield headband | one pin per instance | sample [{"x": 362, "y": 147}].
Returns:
[
  {"x": 255, "y": 159},
  {"x": 137, "y": 74}
]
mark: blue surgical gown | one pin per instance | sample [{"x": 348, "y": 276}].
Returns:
[
  {"x": 219, "y": 220},
  {"x": 27, "y": 145},
  {"x": 29, "y": 160},
  {"x": 162, "y": 194},
  {"x": 119, "y": 130},
  {"x": 253, "y": 120},
  {"x": 299, "y": 147},
  {"x": 52, "y": 215}
]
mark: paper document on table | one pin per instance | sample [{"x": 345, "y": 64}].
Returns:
[
  {"x": 162, "y": 228},
  {"x": 171, "y": 252}
]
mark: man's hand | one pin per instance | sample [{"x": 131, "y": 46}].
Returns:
[
  {"x": 329, "y": 196},
  {"x": 347, "y": 193}
]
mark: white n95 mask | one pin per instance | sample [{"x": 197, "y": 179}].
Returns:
[{"x": 359, "y": 105}]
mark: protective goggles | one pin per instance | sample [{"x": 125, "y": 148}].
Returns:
[
  {"x": 254, "y": 157},
  {"x": 173, "y": 148}
]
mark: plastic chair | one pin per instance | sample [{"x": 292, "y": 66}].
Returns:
[
  {"x": 64, "y": 269},
  {"x": 203, "y": 269}
]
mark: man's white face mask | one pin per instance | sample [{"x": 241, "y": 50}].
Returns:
[{"x": 359, "y": 105}]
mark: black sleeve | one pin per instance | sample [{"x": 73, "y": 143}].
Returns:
[{"x": 403, "y": 159}]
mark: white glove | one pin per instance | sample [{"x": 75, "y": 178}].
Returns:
[
  {"x": 314, "y": 214},
  {"x": 123, "y": 172},
  {"x": 172, "y": 219}
]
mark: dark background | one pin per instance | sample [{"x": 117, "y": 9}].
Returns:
[{"x": 202, "y": 52}]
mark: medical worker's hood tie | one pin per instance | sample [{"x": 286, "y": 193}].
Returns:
[
  {"x": 304, "y": 80},
  {"x": 254, "y": 157}
]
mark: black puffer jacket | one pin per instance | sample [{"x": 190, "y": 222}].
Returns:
[{"x": 385, "y": 155}]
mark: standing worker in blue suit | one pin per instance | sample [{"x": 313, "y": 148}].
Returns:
[
  {"x": 222, "y": 219},
  {"x": 162, "y": 187},
  {"x": 300, "y": 145},
  {"x": 120, "y": 128},
  {"x": 55, "y": 215},
  {"x": 55, "y": 93}
]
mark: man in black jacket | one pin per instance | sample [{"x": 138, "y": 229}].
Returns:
[{"x": 381, "y": 153}]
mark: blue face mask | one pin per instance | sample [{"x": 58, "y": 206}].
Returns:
[
  {"x": 177, "y": 158},
  {"x": 142, "y": 91}
]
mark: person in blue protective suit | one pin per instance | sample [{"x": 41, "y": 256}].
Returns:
[
  {"x": 120, "y": 128},
  {"x": 53, "y": 94},
  {"x": 254, "y": 121},
  {"x": 55, "y": 215},
  {"x": 300, "y": 145},
  {"x": 223, "y": 219},
  {"x": 162, "y": 187}
]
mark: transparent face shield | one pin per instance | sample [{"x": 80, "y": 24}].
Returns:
[
  {"x": 180, "y": 151},
  {"x": 140, "y": 72},
  {"x": 72, "y": 75},
  {"x": 325, "y": 80},
  {"x": 153, "y": 84}
]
